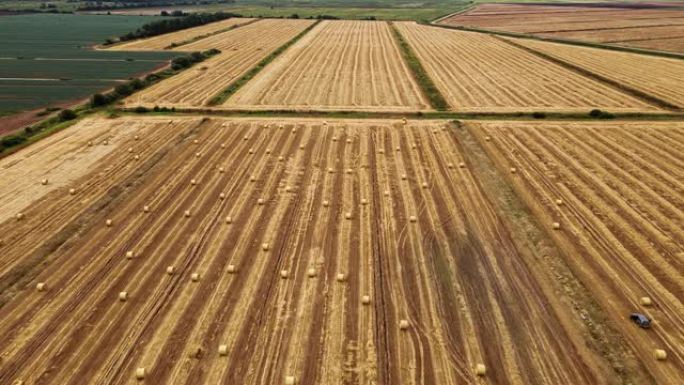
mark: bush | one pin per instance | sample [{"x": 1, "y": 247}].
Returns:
[
  {"x": 123, "y": 89},
  {"x": 599, "y": 114},
  {"x": 67, "y": 115},
  {"x": 98, "y": 100},
  {"x": 538, "y": 115},
  {"x": 12, "y": 140},
  {"x": 141, "y": 109}
]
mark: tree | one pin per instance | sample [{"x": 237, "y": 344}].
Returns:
[{"x": 67, "y": 114}]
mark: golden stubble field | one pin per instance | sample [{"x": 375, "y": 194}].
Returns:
[{"x": 253, "y": 251}]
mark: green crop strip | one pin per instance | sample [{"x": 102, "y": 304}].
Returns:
[
  {"x": 435, "y": 97},
  {"x": 233, "y": 87}
]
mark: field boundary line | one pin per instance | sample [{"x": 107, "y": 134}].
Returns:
[
  {"x": 641, "y": 51},
  {"x": 241, "y": 81},
  {"x": 425, "y": 82},
  {"x": 448, "y": 15},
  {"x": 202, "y": 37},
  {"x": 592, "y": 75}
]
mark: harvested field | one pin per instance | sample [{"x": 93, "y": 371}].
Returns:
[
  {"x": 165, "y": 41},
  {"x": 266, "y": 302},
  {"x": 478, "y": 72},
  {"x": 621, "y": 216},
  {"x": 339, "y": 65},
  {"x": 660, "y": 77},
  {"x": 593, "y": 24},
  {"x": 241, "y": 49}
]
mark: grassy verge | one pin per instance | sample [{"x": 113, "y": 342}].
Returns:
[
  {"x": 233, "y": 87},
  {"x": 435, "y": 97}
]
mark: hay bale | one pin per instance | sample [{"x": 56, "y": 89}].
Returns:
[
  {"x": 349, "y": 171},
  {"x": 222, "y": 196},
  {"x": 231, "y": 269},
  {"x": 136, "y": 137},
  {"x": 170, "y": 270},
  {"x": 660, "y": 354},
  {"x": 229, "y": 219},
  {"x": 245, "y": 137},
  {"x": 195, "y": 277},
  {"x": 311, "y": 272},
  {"x": 556, "y": 226},
  {"x": 461, "y": 165},
  {"x": 289, "y": 380},
  {"x": 488, "y": 138},
  {"x": 109, "y": 223},
  {"x": 559, "y": 202},
  {"x": 334, "y": 139},
  {"x": 264, "y": 246},
  {"x": 398, "y": 149},
  {"x": 136, "y": 157},
  {"x": 330, "y": 170},
  {"x": 187, "y": 213},
  {"x": 44, "y": 182},
  {"x": 387, "y": 193},
  {"x": 130, "y": 254},
  {"x": 20, "y": 216},
  {"x": 404, "y": 176},
  {"x": 130, "y": 150},
  {"x": 90, "y": 143},
  {"x": 645, "y": 301},
  {"x": 268, "y": 151},
  {"x": 381, "y": 151},
  {"x": 341, "y": 277},
  {"x": 364, "y": 201},
  {"x": 146, "y": 209},
  {"x": 260, "y": 202},
  {"x": 349, "y": 141},
  {"x": 193, "y": 182},
  {"x": 41, "y": 286},
  {"x": 450, "y": 165},
  {"x": 301, "y": 146},
  {"x": 365, "y": 300},
  {"x": 513, "y": 170},
  {"x": 221, "y": 170},
  {"x": 223, "y": 350},
  {"x": 480, "y": 370},
  {"x": 223, "y": 145},
  {"x": 251, "y": 151},
  {"x": 198, "y": 154},
  {"x": 252, "y": 178},
  {"x": 140, "y": 374},
  {"x": 403, "y": 324},
  {"x": 284, "y": 274},
  {"x": 413, "y": 218},
  {"x": 348, "y": 215},
  {"x": 105, "y": 142},
  {"x": 123, "y": 296},
  {"x": 326, "y": 203},
  {"x": 425, "y": 185},
  {"x": 195, "y": 141}
]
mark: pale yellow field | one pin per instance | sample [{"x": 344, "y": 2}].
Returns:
[
  {"x": 657, "y": 76},
  {"x": 339, "y": 65},
  {"x": 162, "y": 42},
  {"x": 477, "y": 72},
  {"x": 241, "y": 49}
]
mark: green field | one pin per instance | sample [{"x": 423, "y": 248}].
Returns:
[{"x": 50, "y": 46}]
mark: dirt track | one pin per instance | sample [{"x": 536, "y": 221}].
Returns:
[
  {"x": 621, "y": 217},
  {"x": 241, "y": 49},
  {"x": 477, "y": 72},
  {"x": 454, "y": 273},
  {"x": 339, "y": 65}
]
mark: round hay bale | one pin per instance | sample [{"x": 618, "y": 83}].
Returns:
[
  {"x": 404, "y": 176},
  {"x": 660, "y": 354},
  {"x": 229, "y": 219},
  {"x": 260, "y": 202},
  {"x": 559, "y": 202},
  {"x": 90, "y": 143},
  {"x": 284, "y": 274},
  {"x": 245, "y": 137},
  {"x": 450, "y": 165},
  {"x": 425, "y": 185},
  {"x": 398, "y": 149},
  {"x": 330, "y": 170},
  {"x": 130, "y": 150},
  {"x": 289, "y": 380},
  {"x": 281, "y": 158},
  {"x": 348, "y": 215},
  {"x": 349, "y": 171},
  {"x": 41, "y": 286},
  {"x": 334, "y": 139},
  {"x": 403, "y": 324},
  {"x": 381, "y": 151},
  {"x": 311, "y": 272},
  {"x": 195, "y": 277},
  {"x": 20, "y": 216},
  {"x": 130, "y": 254},
  {"x": 223, "y": 350},
  {"x": 461, "y": 165},
  {"x": 146, "y": 209},
  {"x": 105, "y": 142},
  {"x": 198, "y": 154},
  {"x": 252, "y": 178},
  {"x": 123, "y": 296},
  {"x": 264, "y": 246},
  {"x": 326, "y": 203},
  {"x": 413, "y": 218},
  {"x": 513, "y": 170},
  {"x": 44, "y": 182},
  {"x": 136, "y": 157},
  {"x": 140, "y": 374},
  {"x": 294, "y": 130},
  {"x": 170, "y": 270},
  {"x": 365, "y": 299},
  {"x": 645, "y": 301},
  {"x": 193, "y": 182},
  {"x": 187, "y": 213},
  {"x": 222, "y": 196},
  {"x": 268, "y": 151},
  {"x": 109, "y": 223},
  {"x": 195, "y": 141},
  {"x": 136, "y": 137},
  {"x": 251, "y": 151},
  {"x": 480, "y": 370},
  {"x": 231, "y": 269},
  {"x": 349, "y": 141},
  {"x": 488, "y": 138},
  {"x": 222, "y": 170},
  {"x": 387, "y": 193},
  {"x": 223, "y": 145},
  {"x": 301, "y": 146},
  {"x": 341, "y": 277},
  {"x": 556, "y": 226},
  {"x": 364, "y": 201}
]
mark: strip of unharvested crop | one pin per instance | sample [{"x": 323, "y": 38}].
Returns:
[
  {"x": 615, "y": 190},
  {"x": 340, "y": 65},
  {"x": 241, "y": 49},
  {"x": 476, "y": 72},
  {"x": 328, "y": 252},
  {"x": 427, "y": 85},
  {"x": 228, "y": 92},
  {"x": 664, "y": 78},
  {"x": 162, "y": 42}
]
